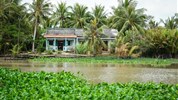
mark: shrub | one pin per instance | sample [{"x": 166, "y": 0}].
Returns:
[
  {"x": 126, "y": 49},
  {"x": 48, "y": 52},
  {"x": 15, "y": 50},
  {"x": 81, "y": 48},
  {"x": 162, "y": 42},
  {"x": 15, "y": 84}
]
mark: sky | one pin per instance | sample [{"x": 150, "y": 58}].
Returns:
[{"x": 160, "y": 9}]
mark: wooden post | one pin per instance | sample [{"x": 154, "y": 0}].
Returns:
[
  {"x": 47, "y": 44},
  {"x": 54, "y": 44},
  {"x": 109, "y": 45},
  {"x": 65, "y": 47},
  {"x": 74, "y": 44},
  {"x": 77, "y": 40}
]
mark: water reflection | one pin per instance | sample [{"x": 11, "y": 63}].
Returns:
[{"x": 96, "y": 73}]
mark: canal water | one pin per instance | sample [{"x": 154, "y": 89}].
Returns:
[{"x": 96, "y": 73}]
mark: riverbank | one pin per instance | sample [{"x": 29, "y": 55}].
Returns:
[
  {"x": 23, "y": 56},
  {"x": 155, "y": 62},
  {"x": 15, "y": 84}
]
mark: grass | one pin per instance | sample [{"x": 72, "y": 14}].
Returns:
[
  {"x": 15, "y": 84},
  {"x": 111, "y": 59}
]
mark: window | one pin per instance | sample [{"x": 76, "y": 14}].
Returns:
[
  {"x": 69, "y": 42},
  {"x": 50, "y": 42}
]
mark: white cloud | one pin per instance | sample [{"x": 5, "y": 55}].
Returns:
[{"x": 157, "y": 8}]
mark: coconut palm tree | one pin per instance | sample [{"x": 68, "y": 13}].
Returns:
[
  {"x": 4, "y": 6},
  {"x": 171, "y": 23},
  {"x": 176, "y": 18},
  {"x": 60, "y": 15},
  {"x": 127, "y": 3},
  {"x": 93, "y": 36},
  {"x": 152, "y": 23},
  {"x": 79, "y": 16},
  {"x": 10, "y": 12},
  {"x": 127, "y": 17},
  {"x": 39, "y": 10},
  {"x": 99, "y": 14}
]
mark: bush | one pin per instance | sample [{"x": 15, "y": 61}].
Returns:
[
  {"x": 126, "y": 49},
  {"x": 40, "y": 45},
  {"x": 112, "y": 47},
  {"x": 81, "y": 48},
  {"x": 162, "y": 42},
  {"x": 158, "y": 42},
  {"x": 40, "y": 49},
  {"x": 15, "y": 50},
  {"x": 48, "y": 52},
  {"x": 64, "y": 85}
]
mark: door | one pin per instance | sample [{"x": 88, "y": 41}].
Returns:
[{"x": 60, "y": 44}]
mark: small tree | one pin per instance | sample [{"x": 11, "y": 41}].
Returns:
[
  {"x": 39, "y": 10},
  {"x": 15, "y": 50},
  {"x": 81, "y": 48},
  {"x": 94, "y": 41},
  {"x": 125, "y": 49}
]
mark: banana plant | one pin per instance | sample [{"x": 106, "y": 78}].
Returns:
[
  {"x": 126, "y": 50},
  {"x": 16, "y": 50}
]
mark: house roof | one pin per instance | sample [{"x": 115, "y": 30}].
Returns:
[
  {"x": 60, "y": 33},
  {"x": 112, "y": 33},
  {"x": 60, "y": 36},
  {"x": 72, "y": 33},
  {"x": 79, "y": 32}
]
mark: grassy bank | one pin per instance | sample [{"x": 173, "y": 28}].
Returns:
[
  {"x": 15, "y": 84},
  {"x": 145, "y": 61}
]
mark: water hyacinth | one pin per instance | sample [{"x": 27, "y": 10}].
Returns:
[
  {"x": 15, "y": 84},
  {"x": 154, "y": 62}
]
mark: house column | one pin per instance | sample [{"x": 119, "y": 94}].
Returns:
[
  {"x": 77, "y": 40},
  {"x": 74, "y": 44},
  {"x": 109, "y": 45},
  {"x": 47, "y": 44},
  {"x": 54, "y": 44},
  {"x": 65, "y": 46}
]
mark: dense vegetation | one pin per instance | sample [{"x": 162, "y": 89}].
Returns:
[
  {"x": 15, "y": 84},
  {"x": 144, "y": 61},
  {"x": 22, "y": 27}
]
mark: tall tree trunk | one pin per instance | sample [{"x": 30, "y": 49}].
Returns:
[{"x": 34, "y": 36}]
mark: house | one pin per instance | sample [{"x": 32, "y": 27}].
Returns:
[{"x": 66, "y": 39}]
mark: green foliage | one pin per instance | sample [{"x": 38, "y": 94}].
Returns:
[
  {"x": 61, "y": 15},
  {"x": 126, "y": 49},
  {"x": 127, "y": 17},
  {"x": 152, "y": 24},
  {"x": 93, "y": 36},
  {"x": 112, "y": 59},
  {"x": 17, "y": 23},
  {"x": 162, "y": 42},
  {"x": 40, "y": 45},
  {"x": 98, "y": 13},
  {"x": 171, "y": 23},
  {"x": 112, "y": 47},
  {"x": 16, "y": 50},
  {"x": 15, "y": 84},
  {"x": 81, "y": 48},
  {"x": 80, "y": 16},
  {"x": 13, "y": 26},
  {"x": 59, "y": 52},
  {"x": 39, "y": 11},
  {"x": 48, "y": 52}
]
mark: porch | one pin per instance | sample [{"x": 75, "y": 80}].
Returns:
[{"x": 63, "y": 44}]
